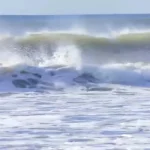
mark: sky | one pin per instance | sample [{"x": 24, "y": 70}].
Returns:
[{"x": 52, "y": 7}]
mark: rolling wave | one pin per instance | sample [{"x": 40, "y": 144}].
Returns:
[
  {"x": 55, "y": 61},
  {"x": 125, "y": 47},
  {"x": 130, "y": 38},
  {"x": 55, "y": 37}
]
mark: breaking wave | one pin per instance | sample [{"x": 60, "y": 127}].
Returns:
[
  {"x": 56, "y": 61},
  {"x": 55, "y": 37}
]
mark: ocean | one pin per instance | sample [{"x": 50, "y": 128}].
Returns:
[{"x": 75, "y": 82}]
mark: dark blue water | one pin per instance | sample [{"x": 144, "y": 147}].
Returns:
[{"x": 91, "y": 23}]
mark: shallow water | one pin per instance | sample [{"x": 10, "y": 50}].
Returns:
[{"x": 117, "y": 119}]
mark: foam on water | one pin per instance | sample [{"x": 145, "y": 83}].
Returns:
[
  {"x": 62, "y": 77},
  {"x": 72, "y": 90},
  {"x": 76, "y": 55}
]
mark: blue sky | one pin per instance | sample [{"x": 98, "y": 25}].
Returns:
[{"x": 73, "y": 6}]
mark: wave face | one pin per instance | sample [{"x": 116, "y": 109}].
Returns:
[{"x": 59, "y": 52}]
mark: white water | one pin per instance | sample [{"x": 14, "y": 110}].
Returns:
[
  {"x": 117, "y": 119},
  {"x": 66, "y": 68},
  {"x": 62, "y": 114},
  {"x": 73, "y": 117},
  {"x": 65, "y": 55}
]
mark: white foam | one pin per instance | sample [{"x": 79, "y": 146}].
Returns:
[
  {"x": 9, "y": 58},
  {"x": 63, "y": 76},
  {"x": 72, "y": 30},
  {"x": 65, "y": 55}
]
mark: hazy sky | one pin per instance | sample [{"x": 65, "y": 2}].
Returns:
[{"x": 73, "y": 6}]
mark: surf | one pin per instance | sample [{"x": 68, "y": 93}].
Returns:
[
  {"x": 66, "y": 69},
  {"x": 59, "y": 60}
]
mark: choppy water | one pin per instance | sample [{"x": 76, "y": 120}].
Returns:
[
  {"x": 117, "y": 119},
  {"x": 74, "y": 82}
]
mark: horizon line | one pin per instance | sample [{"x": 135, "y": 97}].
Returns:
[{"x": 73, "y": 14}]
